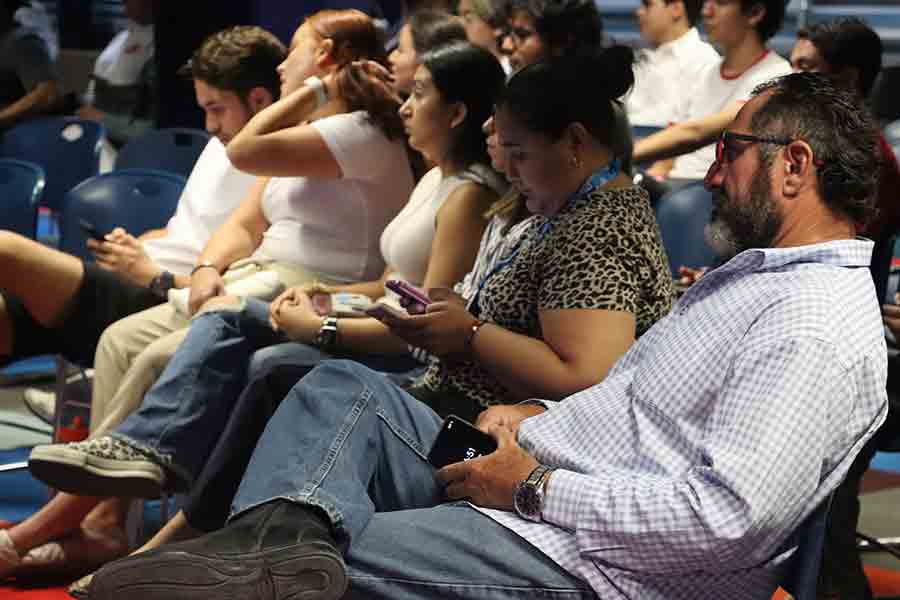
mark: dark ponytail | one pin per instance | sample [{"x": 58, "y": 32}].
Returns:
[{"x": 547, "y": 97}]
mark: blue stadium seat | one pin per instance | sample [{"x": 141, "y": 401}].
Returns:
[
  {"x": 641, "y": 131},
  {"x": 174, "y": 150},
  {"x": 682, "y": 216},
  {"x": 802, "y": 576},
  {"x": 68, "y": 149},
  {"x": 21, "y": 188},
  {"x": 136, "y": 199}
]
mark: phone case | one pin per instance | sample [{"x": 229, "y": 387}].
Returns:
[
  {"x": 346, "y": 304},
  {"x": 459, "y": 440},
  {"x": 410, "y": 292}
]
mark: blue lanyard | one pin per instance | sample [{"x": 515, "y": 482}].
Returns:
[{"x": 597, "y": 180}]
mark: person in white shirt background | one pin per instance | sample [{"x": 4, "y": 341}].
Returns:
[
  {"x": 676, "y": 55},
  {"x": 740, "y": 30},
  {"x": 121, "y": 92}
]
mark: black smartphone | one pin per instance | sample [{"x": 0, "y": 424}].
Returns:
[
  {"x": 90, "y": 230},
  {"x": 459, "y": 440}
]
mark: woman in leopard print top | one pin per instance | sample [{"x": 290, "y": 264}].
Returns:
[{"x": 590, "y": 273}]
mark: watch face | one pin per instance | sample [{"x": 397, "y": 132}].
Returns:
[{"x": 527, "y": 500}]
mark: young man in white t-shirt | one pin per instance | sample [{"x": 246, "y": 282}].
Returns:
[
  {"x": 676, "y": 55},
  {"x": 740, "y": 28},
  {"x": 52, "y": 302}
]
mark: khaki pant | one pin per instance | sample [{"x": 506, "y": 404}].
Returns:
[{"x": 133, "y": 352}]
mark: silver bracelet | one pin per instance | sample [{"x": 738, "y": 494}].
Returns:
[{"x": 318, "y": 87}]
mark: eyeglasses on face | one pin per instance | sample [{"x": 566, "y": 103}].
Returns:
[{"x": 729, "y": 148}]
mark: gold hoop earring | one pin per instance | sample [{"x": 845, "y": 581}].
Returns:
[{"x": 575, "y": 162}]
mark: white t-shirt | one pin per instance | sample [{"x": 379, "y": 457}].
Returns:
[
  {"x": 124, "y": 57},
  {"x": 213, "y": 191},
  {"x": 407, "y": 240},
  {"x": 660, "y": 76},
  {"x": 714, "y": 93},
  {"x": 332, "y": 226}
]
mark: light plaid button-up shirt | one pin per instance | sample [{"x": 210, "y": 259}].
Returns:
[{"x": 683, "y": 474}]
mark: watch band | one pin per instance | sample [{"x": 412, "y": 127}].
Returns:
[
  {"x": 528, "y": 499},
  {"x": 326, "y": 338},
  {"x": 162, "y": 283}
]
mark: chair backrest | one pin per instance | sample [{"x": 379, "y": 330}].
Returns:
[
  {"x": 21, "y": 187},
  {"x": 67, "y": 148},
  {"x": 136, "y": 199},
  {"x": 641, "y": 131},
  {"x": 682, "y": 216},
  {"x": 802, "y": 577},
  {"x": 174, "y": 150},
  {"x": 880, "y": 266}
]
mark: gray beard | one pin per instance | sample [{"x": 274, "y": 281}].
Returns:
[{"x": 721, "y": 239}]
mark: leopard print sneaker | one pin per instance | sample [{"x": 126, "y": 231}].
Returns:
[{"x": 104, "y": 466}]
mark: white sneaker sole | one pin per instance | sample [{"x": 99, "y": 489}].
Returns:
[{"x": 80, "y": 473}]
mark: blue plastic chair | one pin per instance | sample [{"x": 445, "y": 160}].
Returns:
[
  {"x": 68, "y": 149},
  {"x": 21, "y": 187},
  {"x": 136, "y": 199},
  {"x": 641, "y": 131},
  {"x": 174, "y": 150},
  {"x": 682, "y": 216},
  {"x": 802, "y": 577}
]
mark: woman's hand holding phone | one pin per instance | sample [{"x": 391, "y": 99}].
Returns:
[{"x": 444, "y": 328}]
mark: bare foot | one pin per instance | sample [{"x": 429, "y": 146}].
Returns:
[{"x": 82, "y": 552}]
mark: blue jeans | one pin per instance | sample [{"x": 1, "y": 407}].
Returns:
[
  {"x": 186, "y": 411},
  {"x": 350, "y": 442}
]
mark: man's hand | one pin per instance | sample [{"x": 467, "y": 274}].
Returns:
[
  {"x": 293, "y": 313},
  {"x": 123, "y": 253},
  {"x": 507, "y": 416},
  {"x": 688, "y": 276},
  {"x": 891, "y": 316},
  {"x": 491, "y": 480},
  {"x": 206, "y": 283}
]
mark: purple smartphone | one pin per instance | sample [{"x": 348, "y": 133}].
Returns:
[{"x": 409, "y": 292}]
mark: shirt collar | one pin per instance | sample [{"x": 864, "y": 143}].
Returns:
[
  {"x": 842, "y": 253},
  {"x": 691, "y": 38}
]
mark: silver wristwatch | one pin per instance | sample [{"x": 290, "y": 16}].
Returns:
[
  {"x": 529, "y": 496},
  {"x": 326, "y": 338}
]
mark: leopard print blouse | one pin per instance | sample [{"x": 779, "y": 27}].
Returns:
[{"x": 602, "y": 251}]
